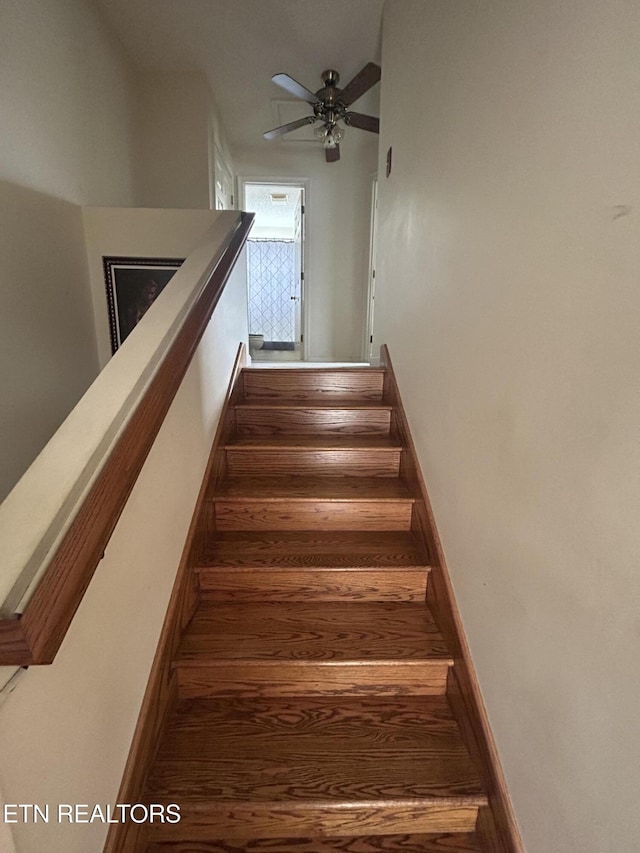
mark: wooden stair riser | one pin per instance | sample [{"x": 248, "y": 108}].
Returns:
[
  {"x": 313, "y": 584},
  {"x": 328, "y": 463},
  {"x": 312, "y": 515},
  {"x": 314, "y": 549},
  {"x": 305, "y": 421},
  {"x": 243, "y": 679},
  {"x": 247, "y": 821},
  {"x": 360, "y": 385}
]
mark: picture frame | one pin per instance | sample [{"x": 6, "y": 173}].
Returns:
[{"x": 132, "y": 286}]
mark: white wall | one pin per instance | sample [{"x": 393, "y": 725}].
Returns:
[
  {"x": 338, "y": 207},
  {"x": 173, "y": 139},
  {"x": 508, "y": 262},
  {"x": 65, "y": 103},
  {"x": 65, "y": 731},
  {"x": 47, "y": 344},
  {"x": 6, "y": 837},
  {"x": 66, "y": 116}
]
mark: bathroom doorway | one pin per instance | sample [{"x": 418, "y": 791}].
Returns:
[{"x": 275, "y": 269}]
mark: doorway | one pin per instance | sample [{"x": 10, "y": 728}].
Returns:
[{"x": 275, "y": 269}]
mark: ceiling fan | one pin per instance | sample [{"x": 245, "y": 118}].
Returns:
[{"x": 330, "y": 106}]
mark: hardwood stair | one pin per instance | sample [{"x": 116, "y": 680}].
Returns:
[
  {"x": 284, "y": 766},
  {"x": 312, "y": 679},
  {"x": 299, "y": 648},
  {"x": 430, "y": 843}
]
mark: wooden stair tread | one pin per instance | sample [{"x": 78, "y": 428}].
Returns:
[
  {"x": 312, "y": 403},
  {"x": 308, "y": 549},
  {"x": 315, "y": 632},
  {"x": 304, "y": 752},
  {"x": 285, "y": 488},
  {"x": 459, "y": 842},
  {"x": 320, "y": 441}
]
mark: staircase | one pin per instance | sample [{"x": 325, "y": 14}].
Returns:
[{"x": 312, "y": 713}]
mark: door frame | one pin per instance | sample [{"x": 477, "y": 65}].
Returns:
[
  {"x": 303, "y": 184},
  {"x": 367, "y": 348},
  {"x": 221, "y": 172}
]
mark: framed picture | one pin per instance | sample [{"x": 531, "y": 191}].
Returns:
[{"x": 133, "y": 285}]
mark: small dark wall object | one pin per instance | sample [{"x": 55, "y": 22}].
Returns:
[
  {"x": 133, "y": 285},
  {"x": 389, "y": 158}
]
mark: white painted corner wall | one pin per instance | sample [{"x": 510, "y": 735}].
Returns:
[
  {"x": 67, "y": 108},
  {"x": 508, "y": 261},
  {"x": 172, "y": 139},
  {"x": 57, "y": 151},
  {"x": 48, "y": 355},
  {"x": 66, "y": 729}
]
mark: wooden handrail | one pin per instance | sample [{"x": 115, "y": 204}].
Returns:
[{"x": 36, "y": 635}]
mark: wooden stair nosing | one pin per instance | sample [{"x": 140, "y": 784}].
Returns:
[
  {"x": 328, "y": 569},
  {"x": 239, "y": 822},
  {"x": 305, "y": 371},
  {"x": 318, "y": 441},
  {"x": 431, "y": 843},
  {"x": 312, "y": 403}
]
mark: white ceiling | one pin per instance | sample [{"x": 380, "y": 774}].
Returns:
[
  {"x": 241, "y": 44},
  {"x": 270, "y": 214}
]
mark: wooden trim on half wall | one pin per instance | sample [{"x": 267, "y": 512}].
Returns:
[
  {"x": 161, "y": 692},
  {"x": 497, "y": 826},
  {"x": 39, "y": 632}
]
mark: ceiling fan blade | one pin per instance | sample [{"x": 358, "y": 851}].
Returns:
[
  {"x": 294, "y": 88},
  {"x": 370, "y": 123},
  {"x": 361, "y": 83},
  {"x": 287, "y": 128},
  {"x": 332, "y": 155}
]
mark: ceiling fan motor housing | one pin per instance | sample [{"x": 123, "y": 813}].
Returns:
[{"x": 329, "y": 108}]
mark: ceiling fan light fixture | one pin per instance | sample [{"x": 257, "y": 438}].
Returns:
[
  {"x": 337, "y": 133},
  {"x": 329, "y": 135}
]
